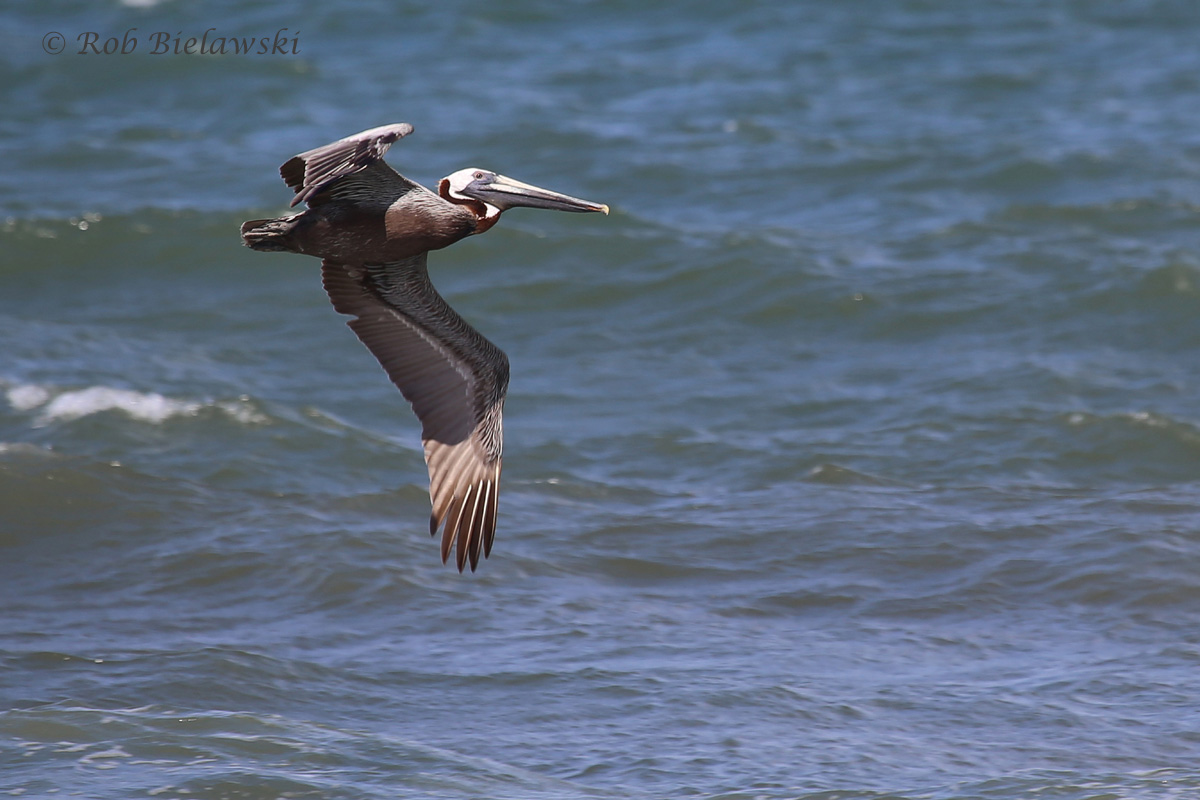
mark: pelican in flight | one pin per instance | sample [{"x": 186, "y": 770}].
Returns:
[{"x": 373, "y": 229}]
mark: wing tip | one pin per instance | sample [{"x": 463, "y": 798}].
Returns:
[
  {"x": 470, "y": 524},
  {"x": 402, "y": 129}
]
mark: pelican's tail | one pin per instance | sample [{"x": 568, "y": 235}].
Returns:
[{"x": 270, "y": 234}]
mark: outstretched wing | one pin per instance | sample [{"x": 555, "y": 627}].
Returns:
[
  {"x": 311, "y": 172},
  {"x": 454, "y": 378}
]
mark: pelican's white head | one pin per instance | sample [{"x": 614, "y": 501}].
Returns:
[{"x": 496, "y": 193}]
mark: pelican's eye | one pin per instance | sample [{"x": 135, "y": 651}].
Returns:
[{"x": 478, "y": 175}]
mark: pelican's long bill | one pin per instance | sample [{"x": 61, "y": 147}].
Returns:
[{"x": 505, "y": 193}]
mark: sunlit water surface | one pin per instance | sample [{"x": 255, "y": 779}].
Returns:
[{"x": 856, "y": 455}]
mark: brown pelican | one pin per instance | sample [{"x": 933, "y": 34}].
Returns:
[{"x": 372, "y": 228}]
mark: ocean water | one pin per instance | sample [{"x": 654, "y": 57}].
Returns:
[{"x": 855, "y": 455}]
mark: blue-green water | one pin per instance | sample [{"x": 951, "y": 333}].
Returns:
[{"x": 855, "y": 455}]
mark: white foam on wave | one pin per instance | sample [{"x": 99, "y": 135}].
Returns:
[
  {"x": 28, "y": 397},
  {"x": 149, "y": 407}
]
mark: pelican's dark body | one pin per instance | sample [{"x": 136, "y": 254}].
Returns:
[
  {"x": 366, "y": 218},
  {"x": 372, "y": 229},
  {"x": 416, "y": 222}
]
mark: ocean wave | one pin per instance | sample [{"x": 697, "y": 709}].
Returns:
[
  {"x": 53, "y": 404},
  {"x": 199, "y": 752}
]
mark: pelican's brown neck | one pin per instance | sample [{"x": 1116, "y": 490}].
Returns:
[{"x": 486, "y": 216}]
